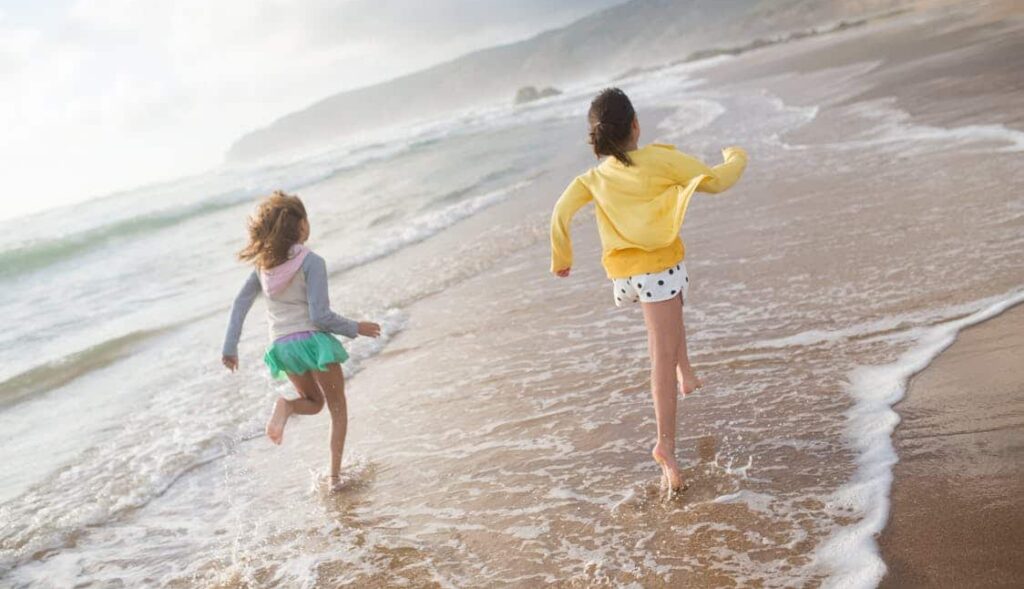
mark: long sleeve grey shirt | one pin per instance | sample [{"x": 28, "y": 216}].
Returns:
[{"x": 314, "y": 270}]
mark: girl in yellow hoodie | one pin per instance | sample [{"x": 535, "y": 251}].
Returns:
[{"x": 640, "y": 195}]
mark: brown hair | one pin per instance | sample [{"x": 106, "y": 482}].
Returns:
[
  {"x": 611, "y": 122},
  {"x": 274, "y": 227}
]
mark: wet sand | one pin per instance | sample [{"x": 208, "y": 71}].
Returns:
[
  {"x": 956, "y": 514},
  {"x": 583, "y": 485},
  {"x": 957, "y": 508},
  {"x": 502, "y": 436}
]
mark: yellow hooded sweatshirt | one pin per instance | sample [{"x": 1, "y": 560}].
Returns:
[{"x": 640, "y": 208}]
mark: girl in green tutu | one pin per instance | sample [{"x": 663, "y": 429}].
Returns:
[{"x": 294, "y": 281}]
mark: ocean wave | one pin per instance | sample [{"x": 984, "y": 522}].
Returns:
[
  {"x": 39, "y": 254},
  {"x": 230, "y": 187},
  {"x": 139, "y": 462},
  {"x": 894, "y": 129},
  {"x": 52, "y": 375},
  {"x": 425, "y": 226},
  {"x": 850, "y": 556},
  {"x": 457, "y": 194},
  {"x": 691, "y": 116}
]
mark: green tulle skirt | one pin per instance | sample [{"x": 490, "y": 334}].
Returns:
[{"x": 302, "y": 355}]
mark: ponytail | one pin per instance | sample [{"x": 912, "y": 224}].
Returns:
[{"x": 611, "y": 123}]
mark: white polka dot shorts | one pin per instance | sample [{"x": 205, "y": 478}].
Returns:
[{"x": 652, "y": 288}]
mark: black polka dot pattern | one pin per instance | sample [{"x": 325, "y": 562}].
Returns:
[{"x": 660, "y": 286}]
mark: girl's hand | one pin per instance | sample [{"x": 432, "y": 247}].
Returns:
[
  {"x": 230, "y": 362},
  {"x": 369, "y": 329},
  {"x": 563, "y": 273}
]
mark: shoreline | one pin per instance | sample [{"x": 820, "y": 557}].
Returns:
[
  {"x": 501, "y": 435},
  {"x": 960, "y": 445}
]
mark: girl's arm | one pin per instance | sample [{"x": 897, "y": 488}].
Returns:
[
  {"x": 716, "y": 179},
  {"x": 572, "y": 200},
  {"x": 319, "y": 301},
  {"x": 240, "y": 308}
]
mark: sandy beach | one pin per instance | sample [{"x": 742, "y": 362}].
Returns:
[
  {"x": 957, "y": 508},
  {"x": 500, "y": 429}
]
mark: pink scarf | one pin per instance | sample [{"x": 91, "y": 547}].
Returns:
[{"x": 276, "y": 279}]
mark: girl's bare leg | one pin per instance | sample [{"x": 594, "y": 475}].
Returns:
[
  {"x": 688, "y": 380},
  {"x": 310, "y": 402},
  {"x": 664, "y": 340},
  {"x": 332, "y": 384}
]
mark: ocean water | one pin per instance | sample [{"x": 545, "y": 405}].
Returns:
[{"x": 500, "y": 427}]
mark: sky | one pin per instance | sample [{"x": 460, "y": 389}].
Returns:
[{"x": 99, "y": 96}]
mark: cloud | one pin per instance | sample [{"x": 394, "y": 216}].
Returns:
[{"x": 117, "y": 93}]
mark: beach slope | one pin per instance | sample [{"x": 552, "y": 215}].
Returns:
[{"x": 957, "y": 515}]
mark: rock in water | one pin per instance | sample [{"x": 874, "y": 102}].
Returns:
[{"x": 530, "y": 93}]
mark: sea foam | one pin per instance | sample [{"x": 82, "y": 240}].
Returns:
[
  {"x": 851, "y": 556},
  {"x": 895, "y": 128}
]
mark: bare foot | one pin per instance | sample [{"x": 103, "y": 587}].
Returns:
[
  {"x": 334, "y": 484},
  {"x": 275, "y": 426},
  {"x": 670, "y": 475},
  {"x": 688, "y": 381}
]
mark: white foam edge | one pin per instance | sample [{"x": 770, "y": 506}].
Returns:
[{"x": 851, "y": 556}]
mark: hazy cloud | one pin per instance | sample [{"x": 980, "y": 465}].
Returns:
[{"x": 121, "y": 92}]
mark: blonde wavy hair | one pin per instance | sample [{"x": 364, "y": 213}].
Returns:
[{"x": 274, "y": 227}]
